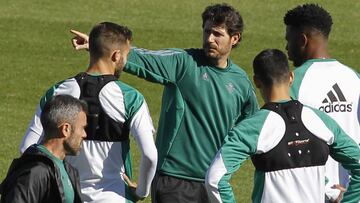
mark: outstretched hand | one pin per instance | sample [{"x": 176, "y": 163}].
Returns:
[
  {"x": 80, "y": 41},
  {"x": 132, "y": 186},
  {"x": 342, "y": 190}
]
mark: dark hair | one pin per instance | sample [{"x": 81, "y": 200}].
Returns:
[
  {"x": 224, "y": 13},
  {"x": 59, "y": 109},
  {"x": 310, "y": 16},
  {"x": 271, "y": 67},
  {"x": 107, "y": 36}
]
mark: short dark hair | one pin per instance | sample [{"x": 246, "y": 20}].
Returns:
[
  {"x": 105, "y": 36},
  {"x": 224, "y": 13},
  {"x": 310, "y": 16},
  {"x": 271, "y": 67},
  {"x": 59, "y": 109}
]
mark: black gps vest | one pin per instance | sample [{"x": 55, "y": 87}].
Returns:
[
  {"x": 298, "y": 147},
  {"x": 100, "y": 126}
]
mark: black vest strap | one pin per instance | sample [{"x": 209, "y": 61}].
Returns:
[
  {"x": 100, "y": 126},
  {"x": 298, "y": 147}
]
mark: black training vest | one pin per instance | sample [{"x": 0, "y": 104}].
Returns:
[
  {"x": 100, "y": 126},
  {"x": 298, "y": 147}
]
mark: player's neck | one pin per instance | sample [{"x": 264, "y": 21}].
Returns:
[
  {"x": 56, "y": 147},
  {"x": 221, "y": 63},
  {"x": 277, "y": 93},
  {"x": 318, "y": 50},
  {"x": 101, "y": 67},
  {"x": 319, "y": 54}
]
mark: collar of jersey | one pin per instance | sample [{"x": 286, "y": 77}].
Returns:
[
  {"x": 320, "y": 60},
  {"x": 221, "y": 70},
  {"x": 47, "y": 152},
  {"x": 283, "y": 101}
]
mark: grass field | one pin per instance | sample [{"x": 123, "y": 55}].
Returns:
[{"x": 35, "y": 50}]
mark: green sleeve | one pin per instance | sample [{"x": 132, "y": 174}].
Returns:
[
  {"x": 49, "y": 94},
  {"x": 133, "y": 100},
  {"x": 234, "y": 152},
  {"x": 345, "y": 151},
  {"x": 163, "y": 66},
  {"x": 239, "y": 145},
  {"x": 251, "y": 105}
]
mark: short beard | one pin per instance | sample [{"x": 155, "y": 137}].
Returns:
[{"x": 69, "y": 150}]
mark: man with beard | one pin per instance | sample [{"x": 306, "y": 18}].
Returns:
[
  {"x": 41, "y": 174},
  {"x": 205, "y": 95},
  {"x": 323, "y": 82},
  {"x": 115, "y": 109}
]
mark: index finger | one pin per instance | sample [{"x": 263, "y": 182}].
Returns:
[
  {"x": 339, "y": 187},
  {"x": 127, "y": 179},
  {"x": 80, "y": 34}
]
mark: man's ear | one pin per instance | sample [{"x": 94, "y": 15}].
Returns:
[
  {"x": 65, "y": 129},
  {"x": 291, "y": 77},
  {"x": 236, "y": 38},
  {"x": 115, "y": 55},
  {"x": 303, "y": 40}
]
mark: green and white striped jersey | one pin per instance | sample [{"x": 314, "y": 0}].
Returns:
[
  {"x": 296, "y": 171},
  {"x": 333, "y": 88},
  {"x": 200, "y": 104}
]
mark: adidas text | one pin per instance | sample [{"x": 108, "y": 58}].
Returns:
[{"x": 337, "y": 107}]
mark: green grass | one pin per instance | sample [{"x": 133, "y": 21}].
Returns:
[{"x": 36, "y": 51}]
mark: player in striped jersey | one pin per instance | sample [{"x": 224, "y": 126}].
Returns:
[
  {"x": 288, "y": 142},
  {"x": 323, "y": 82},
  {"x": 115, "y": 109}
]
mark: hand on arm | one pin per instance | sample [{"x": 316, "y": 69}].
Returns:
[
  {"x": 80, "y": 41},
  {"x": 342, "y": 190},
  {"x": 132, "y": 186}
]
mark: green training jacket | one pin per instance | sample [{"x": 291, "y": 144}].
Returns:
[{"x": 200, "y": 104}]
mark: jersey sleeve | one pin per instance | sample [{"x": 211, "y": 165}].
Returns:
[
  {"x": 251, "y": 106},
  {"x": 345, "y": 151},
  {"x": 238, "y": 146},
  {"x": 142, "y": 129},
  {"x": 161, "y": 66}
]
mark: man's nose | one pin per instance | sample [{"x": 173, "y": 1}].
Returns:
[{"x": 210, "y": 38}]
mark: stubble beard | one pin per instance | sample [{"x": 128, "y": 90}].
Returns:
[
  {"x": 213, "y": 56},
  {"x": 70, "y": 148}
]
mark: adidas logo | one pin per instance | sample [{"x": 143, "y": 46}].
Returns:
[{"x": 335, "y": 101}]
